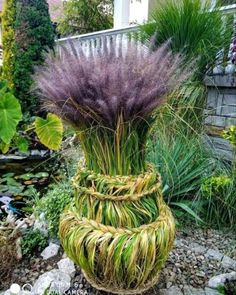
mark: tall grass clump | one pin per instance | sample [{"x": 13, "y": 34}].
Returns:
[
  {"x": 182, "y": 162},
  {"x": 118, "y": 228},
  {"x": 198, "y": 32},
  {"x": 195, "y": 29},
  {"x": 217, "y": 200}
]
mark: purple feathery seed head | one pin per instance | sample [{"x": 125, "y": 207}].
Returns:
[{"x": 97, "y": 87}]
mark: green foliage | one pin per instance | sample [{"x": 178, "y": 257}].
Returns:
[
  {"x": 8, "y": 39},
  {"x": 217, "y": 200},
  {"x": 120, "y": 151},
  {"x": 49, "y": 131},
  {"x": 85, "y": 16},
  {"x": 122, "y": 214},
  {"x": 10, "y": 116},
  {"x": 23, "y": 186},
  {"x": 182, "y": 162},
  {"x": 34, "y": 36},
  {"x": 33, "y": 240},
  {"x": 21, "y": 143},
  {"x": 192, "y": 29},
  {"x": 230, "y": 135},
  {"x": 54, "y": 203},
  {"x": 225, "y": 2},
  {"x": 216, "y": 186}
]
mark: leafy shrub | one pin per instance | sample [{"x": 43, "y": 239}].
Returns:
[
  {"x": 216, "y": 186},
  {"x": 8, "y": 39},
  {"x": 34, "y": 36},
  {"x": 53, "y": 204},
  {"x": 49, "y": 130},
  {"x": 182, "y": 163},
  {"x": 85, "y": 16},
  {"x": 217, "y": 200},
  {"x": 33, "y": 240},
  {"x": 230, "y": 135}
]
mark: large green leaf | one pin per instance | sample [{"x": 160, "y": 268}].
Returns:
[
  {"x": 49, "y": 131},
  {"x": 10, "y": 115}
]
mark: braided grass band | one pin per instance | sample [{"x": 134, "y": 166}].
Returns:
[
  {"x": 117, "y": 188},
  {"x": 123, "y": 201},
  {"x": 120, "y": 260}
]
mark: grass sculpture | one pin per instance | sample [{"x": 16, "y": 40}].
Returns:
[{"x": 118, "y": 229}]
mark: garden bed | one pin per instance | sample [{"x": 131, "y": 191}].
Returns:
[{"x": 198, "y": 255}]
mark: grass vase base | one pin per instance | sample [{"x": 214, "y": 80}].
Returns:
[{"x": 118, "y": 259}]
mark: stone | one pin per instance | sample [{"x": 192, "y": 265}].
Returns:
[
  {"x": 228, "y": 262},
  {"x": 67, "y": 266},
  {"x": 178, "y": 243},
  {"x": 50, "y": 251},
  {"x": 172, "y": 291},
  {"x": 209, "y": 291},
  {"x": 230, "y": 68},
  {"x": 201, "y": 274},
  {"x": 215, "y": 121},
  {"x": 219, "y": 280},
  {"x": 168, "y": 285},
  {"x": 198, "y": 249},
  {"x": 189, "y": 290},
  {"x": 218, "y": 70},
  {"x": 41, "y": 224},
  {"x": 214, "y": 255},
  {"x": 55, "y": 279}
]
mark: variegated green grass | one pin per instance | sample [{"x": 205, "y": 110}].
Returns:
[
  {"x": 116, "y": 151},
  {"x": 119, "y": 260},
  {"x": 121, "y": 201}
]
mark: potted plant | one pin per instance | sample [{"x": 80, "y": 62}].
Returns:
[{"x": 118, "y": 229}]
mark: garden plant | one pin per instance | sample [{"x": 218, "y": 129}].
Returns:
[
  {"x": 118, "y": 227},
  {"x": 27, "y": 33},
  {"x": 197, "y": 32}
]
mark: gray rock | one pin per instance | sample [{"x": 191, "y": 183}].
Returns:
[
  {"x": 198, "y": 249},
  {"x": 189, "y": 290},
  {"x": 218, "y": 70},
  {"x": 214, "y": 255},
  {"x": 50, "y": 251},
  {"x": 219, "y": 280},
  {"x": 178, "y": 243},
  {"x": 228, "y": 262},
  {"x": 41, "y": 224},
  {"x": 55, "y": 279},
  {"x": 209, "y": 291},
  {"x": 171, "y": 291},
  {"x": 67, "y": 266}
]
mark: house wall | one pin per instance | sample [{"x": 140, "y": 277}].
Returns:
[{"x": 220, "y": 111}]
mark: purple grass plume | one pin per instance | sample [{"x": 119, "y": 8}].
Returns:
[{"x": 87, "y": 88}]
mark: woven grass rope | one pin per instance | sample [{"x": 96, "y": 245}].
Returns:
[{"x": 118, "y": 230}]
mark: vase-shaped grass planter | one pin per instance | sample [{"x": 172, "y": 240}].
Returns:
[{"x": 119, "y": 230}]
